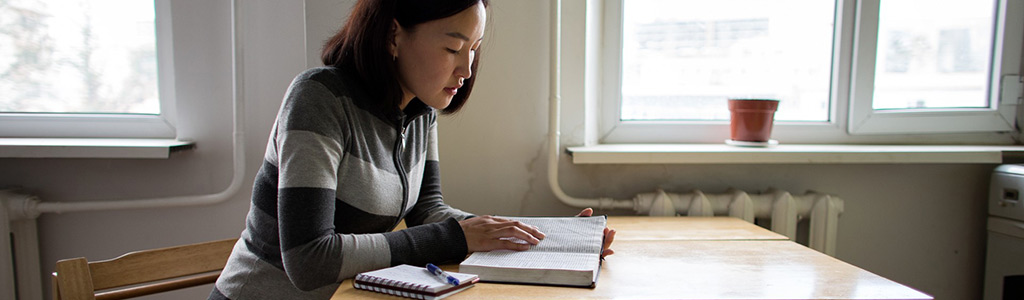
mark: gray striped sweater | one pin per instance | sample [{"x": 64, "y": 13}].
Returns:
[{"x": 336, "y": 179}]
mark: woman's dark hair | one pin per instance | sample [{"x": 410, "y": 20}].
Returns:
[{"x": 363, "y": 45}]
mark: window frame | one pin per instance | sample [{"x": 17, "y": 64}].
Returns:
[
  {"x": 999, "y": 116},
  {"x": 846, "y": 122},
  {"x": 78, "y": 125}
]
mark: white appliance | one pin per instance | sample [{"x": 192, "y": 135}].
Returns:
[{"x": 1004, "y": 268}]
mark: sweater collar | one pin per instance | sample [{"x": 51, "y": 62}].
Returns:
[{"x": 413, "y": 110}]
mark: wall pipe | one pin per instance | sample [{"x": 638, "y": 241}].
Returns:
[
  {"x": 554, "y": 120},
  {"x": 32, "y": 208}
]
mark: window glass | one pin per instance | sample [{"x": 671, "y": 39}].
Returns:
[
  {"x": 935, "y": 55},
  {"x": 78, "y": 56},
  {"x": 681, "y": 59}
]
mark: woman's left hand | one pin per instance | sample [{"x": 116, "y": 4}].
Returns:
[{"x": 609, "y": 234}]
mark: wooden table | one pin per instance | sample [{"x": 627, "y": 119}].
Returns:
[
  {"x": 630, "y": 228},
  {"x": 700, "y": 258}
]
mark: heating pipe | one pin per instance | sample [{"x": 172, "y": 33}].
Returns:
[{"x": 554, "y": 119}]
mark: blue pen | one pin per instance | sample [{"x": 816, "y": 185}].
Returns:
[{"x": 442, "y": 274}]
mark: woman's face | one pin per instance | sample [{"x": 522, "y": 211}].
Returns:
[{"x": 434, "y": 58}]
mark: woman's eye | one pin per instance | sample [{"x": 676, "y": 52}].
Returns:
[{"x": 452, "y": 51}]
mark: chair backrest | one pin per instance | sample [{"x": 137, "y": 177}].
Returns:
[{"x": 142, "y": 272}]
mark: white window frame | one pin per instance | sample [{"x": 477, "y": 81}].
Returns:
[
  {"x": 999, "y": 116},
  {"x": 23, "y": 125},
  {"x": 849, "y": 121}
]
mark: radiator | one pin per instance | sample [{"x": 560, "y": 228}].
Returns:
[
  {"x": 20, "y": 275},
  {"x": 783, "y": 209}
]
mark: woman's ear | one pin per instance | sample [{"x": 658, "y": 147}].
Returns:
[{"x": 396, "y": 36}]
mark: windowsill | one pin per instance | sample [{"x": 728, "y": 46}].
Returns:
[
  {"x": 793, "y": 154},
  {"x": 90, "y": 148}
]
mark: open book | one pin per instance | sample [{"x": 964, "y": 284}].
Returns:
[{"x": 570, "y": 254}]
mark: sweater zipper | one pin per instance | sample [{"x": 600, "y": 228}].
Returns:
[{"x": 399, "y": 149}]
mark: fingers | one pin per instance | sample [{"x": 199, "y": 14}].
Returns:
[
  {"x": 506, "y": 244},
  {"x": 519, "y": 233},
  {"x": 586, "y": 212},
  {"x": 515, "y": 228},
  {"x": 609, "y": 237},
  {"x": 534, "y": 230},
  {"x": 510, "y": 245},
  {"x": 486, "y": 233}
]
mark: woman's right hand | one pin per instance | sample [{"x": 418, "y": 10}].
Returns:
[{"x": 486, "y": 233}]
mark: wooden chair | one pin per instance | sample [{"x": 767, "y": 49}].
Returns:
[{"x": 142, "y": 272}]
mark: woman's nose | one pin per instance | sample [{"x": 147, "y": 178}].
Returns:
[{"x": 463, "y": 70}]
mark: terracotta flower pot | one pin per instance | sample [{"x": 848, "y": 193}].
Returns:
[{"x": 751, "y": 119}]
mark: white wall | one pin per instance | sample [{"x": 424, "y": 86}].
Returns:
[{"x": 921, "y": 225}]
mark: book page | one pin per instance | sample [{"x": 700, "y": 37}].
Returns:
[
  {"x": 534, "y": 260},
  {"x": 567, "y": 234}
]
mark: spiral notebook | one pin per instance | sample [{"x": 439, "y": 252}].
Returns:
[{"x": 412, "y": 282}]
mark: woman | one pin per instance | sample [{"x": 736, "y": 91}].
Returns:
[{"x": 353, "y": 152}]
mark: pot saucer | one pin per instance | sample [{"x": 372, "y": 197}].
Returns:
[{"x": 769, "y": 143}]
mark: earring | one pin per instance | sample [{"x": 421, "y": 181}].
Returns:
[{"x": 394, "y": 58}]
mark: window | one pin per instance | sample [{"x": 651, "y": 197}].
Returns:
[
  {"x": 934, "y": 68},
  {"x": 85, "y": 69},
  {"x": 682, "y": 59},
  {"x": 900, "y": 67}
]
